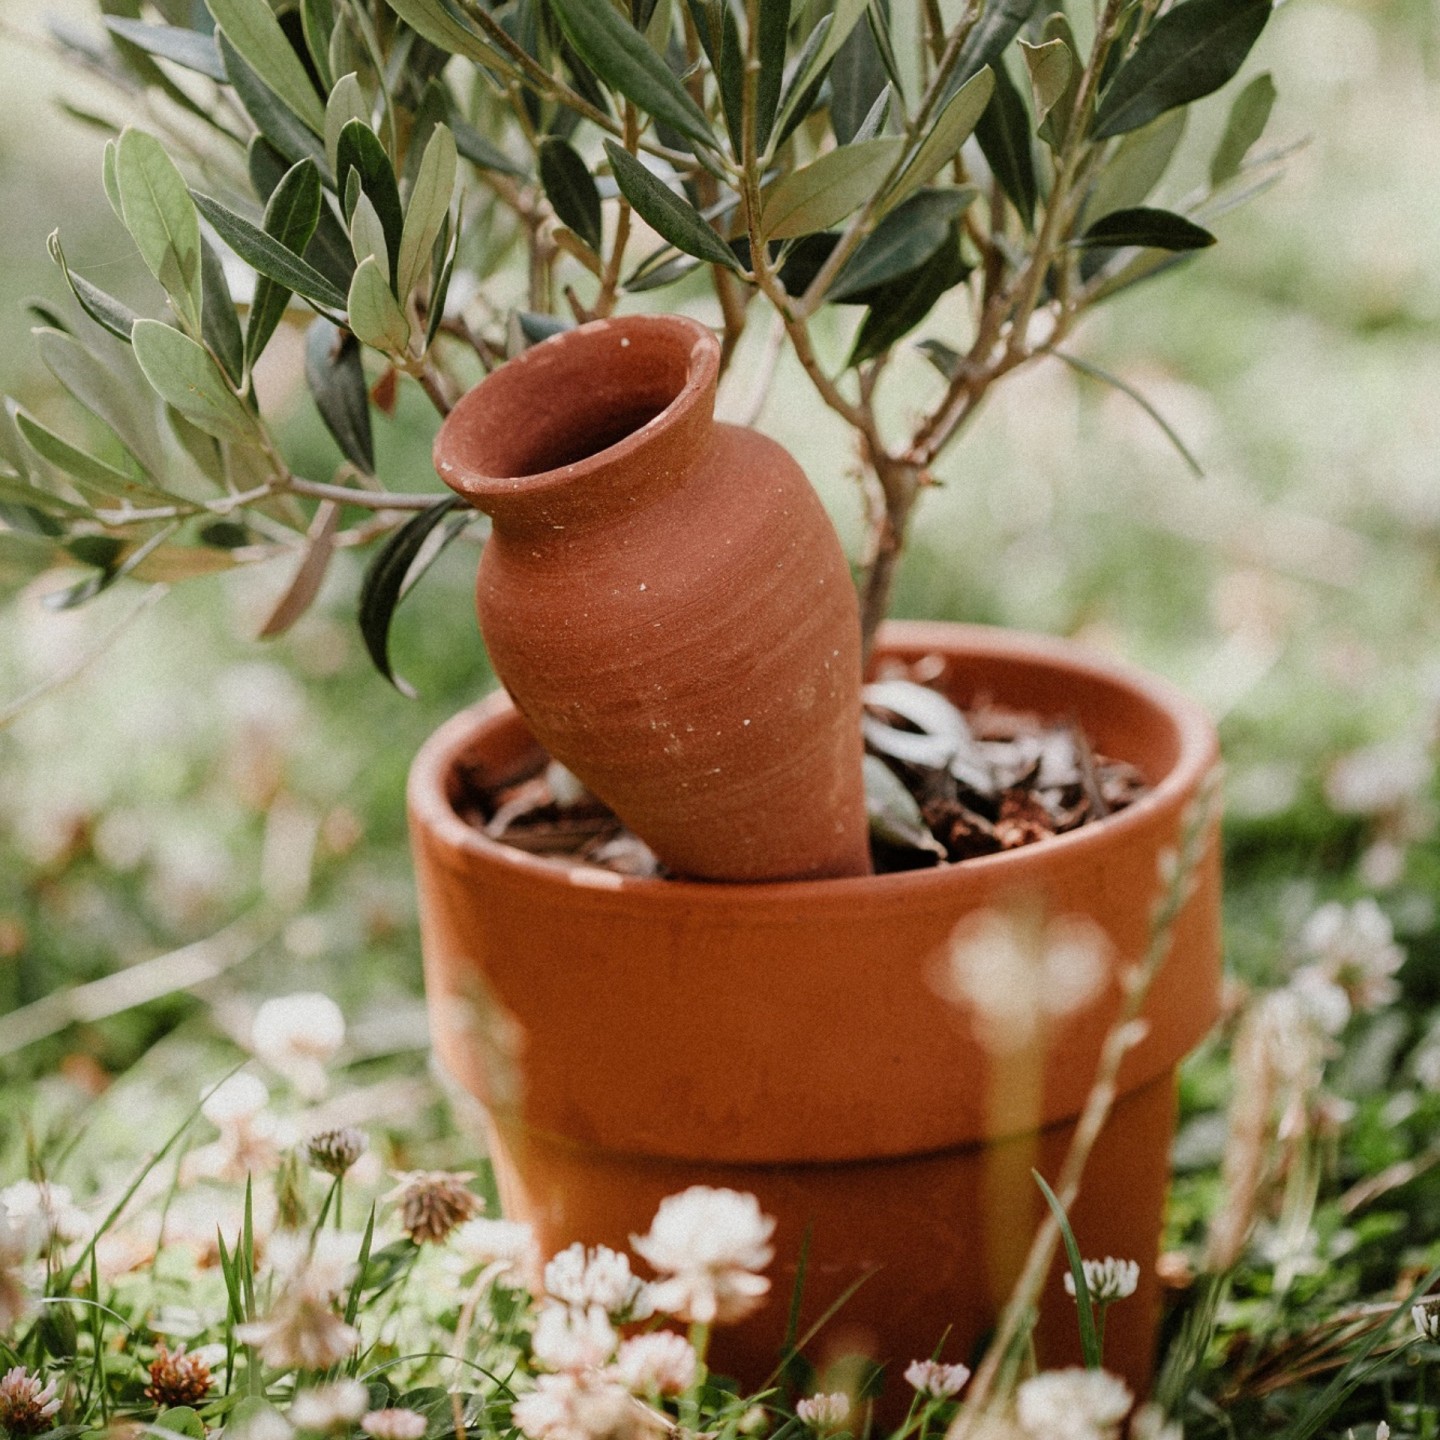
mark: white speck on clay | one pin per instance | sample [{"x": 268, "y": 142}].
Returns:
[
  {"x": 746, "y": 722},
  {"x": 643, "y": 585},
  {"x": 624, "y": 342}
]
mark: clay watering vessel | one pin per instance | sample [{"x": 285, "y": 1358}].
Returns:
[
  {"x": 630, "y": 1037},
  {"x": 666, "y": 601}
]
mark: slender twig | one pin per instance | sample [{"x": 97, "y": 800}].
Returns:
[
  {"x": 764, "y": 374},
  {"x": 365, "y": 499},
  {"x": 517, "y": 59},
  {"x": 1196, "y": 838},
  {"x": 72, "y": 670}
]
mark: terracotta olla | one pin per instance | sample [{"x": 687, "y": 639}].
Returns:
[
  {"x": 666, "y": 601},
  {"x": 631, "y": 1037}
]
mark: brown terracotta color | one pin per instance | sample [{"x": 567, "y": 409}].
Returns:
[
  {"x": 666, "y": 601},
  {"x": 632, "y": 1037}
]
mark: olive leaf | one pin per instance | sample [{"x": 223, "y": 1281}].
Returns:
[
  {"x": 857, "y": 78},
  {"x": 1055, "y": 127},
  {"x": 770, "y": 51},
  {"x": 897, "y": 308},
  {"x": 336, "y": 376},
  {"x": 440, "y": 26},
  {"x": 251, "y": 27},
  {"x": 893, "y": 811},
  {"x": 429, "y": 208},
  {"x": 1159, "y": 229},
  {"x": 952, "y": 127},
  {"x": 669, "y": 216},
  {"x": 291, "y": 216},
  {"x": 1248, "y": 117},
  {"x": 160, "y": 216},
  {"x": 824, "y": 192},
  {"x": 184, "y": 376},
  {"x": 96, "y": 479},
  {"x": 103, "y": 309},
  {"x": 1188, "y": 53},
  {"x": 479, "y": 151},
  {"x": 1003, "y": 134},
  {"x": 619, "y": 55},
  {"x": 907, "y": 237},
  {"x": 304, "y": 586},
  {"x": 346, "y": 103},
  {"x": 1138, "y": 164},
  {"x": 570, "y": 188},
  {"x": 998, "y": 25},
  {"x": 385, "y": 582},
  {"x": 374, "y": 314},
  {"x": 190, "y": 49},
  {"x": 220, "y": 329},
  {"x": 317, "y": 25},
  {"x": 823, "y": 44},
  {"x": 1052, "y": 69},
  {"x": 267, "y": 255},
  {"x": 360, "y": 159},
  {"x": 367, "y": 234},
  {"x": 274, "y": 119},
  {"x": 100, "y": 386}
]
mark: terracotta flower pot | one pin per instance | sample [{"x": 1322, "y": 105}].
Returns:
[
  {"x": 629, "y": 1038},
  {"x": 666, "y": 601}
]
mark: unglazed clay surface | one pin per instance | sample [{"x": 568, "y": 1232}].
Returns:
[{"x": 667, "y": 602}]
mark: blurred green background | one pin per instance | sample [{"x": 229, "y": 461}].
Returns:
[{"x": 193, "y": 779}]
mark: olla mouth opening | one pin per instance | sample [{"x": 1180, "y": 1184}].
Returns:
[{"x": 572, "y": 398}]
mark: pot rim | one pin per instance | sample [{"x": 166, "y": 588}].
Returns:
[{"x": 1197, "y": 754}]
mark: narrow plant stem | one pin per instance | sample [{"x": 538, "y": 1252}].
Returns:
[
  {"x": 1197, "y": 835},
  {"x": 610, "y": 278},
  {"x": 365, "y": 499},
  {"x": 861, "y": 225},
  {"x": 515, "y": 57}
]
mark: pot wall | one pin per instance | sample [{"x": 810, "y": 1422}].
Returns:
[{"x": 631, "y": 1037}]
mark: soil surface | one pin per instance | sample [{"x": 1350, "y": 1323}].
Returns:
[{"x": 943, "y": 785}]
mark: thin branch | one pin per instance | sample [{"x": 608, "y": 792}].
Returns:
[
  {"x": 1196, "y": 838},
  {"x": 73, "y": 669},
  {"x": 365, "y": 499}
]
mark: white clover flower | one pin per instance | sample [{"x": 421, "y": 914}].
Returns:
[
  {"x": 707, "y": 1245},
  {"x": 394, "y": 1424},
  {"x": 1072, "y": 1405},
  {"x": 19, "y": 1244},
  {"x": 1427, "y": 1321},
  {"x": 300, "y": 1333},
  {"x": 507, "y": 1247},
  {"x": 302, "y": 1330},
  {"x": 329, "y": 1407},
  {"x": 1390, "y": 776},
  {"x": 1320, "y": 1001},
  {"x": 569, "y": 1339},
  {"x": 251, "y": 1136},
  {"x": 1018, "y": 976},
  {"x": 936, "y": 1381},
  {"x": 264, "y": 1424},
  {"x": 1354, "y": 947},
  {"x": 660, "y": 1363},
  {"x": 47, "y": 1210},
  {"x": 297, "y": 1036},
  {"x": 602, "y": 1276},
  {"x": 585, "y": 1406},
  {"x": 1150, "y": 1423},
  {"x": 433, "y": 1203},
  {"x": 824, "y": 1412},
  {"x": 1107, "y": 1280}
]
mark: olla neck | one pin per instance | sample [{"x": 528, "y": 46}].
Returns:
[{"x": 585, "y": 425}]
